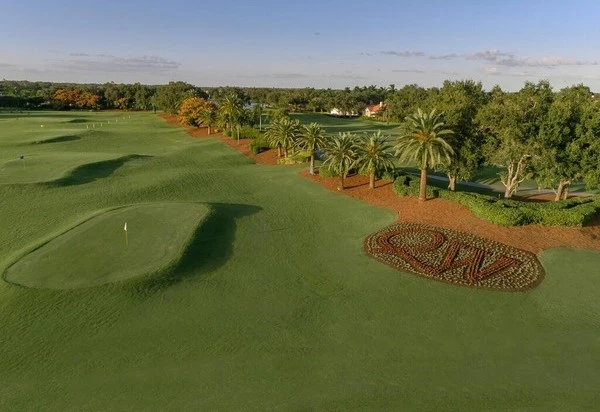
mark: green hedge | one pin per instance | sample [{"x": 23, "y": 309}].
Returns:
[
  {"x": 506, "y": 212},
  {"x": 405, "y": 185},
  {"x": 258, "y": 145},
  {"x": 249, "y": 133}
]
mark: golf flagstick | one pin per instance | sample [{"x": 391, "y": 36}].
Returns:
[{"x": 125, "y": 229}]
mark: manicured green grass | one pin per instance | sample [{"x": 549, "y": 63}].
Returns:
[
  {"x": 273, "y": 305},
  {"x": 96, "y": 252},
  {"x": 334, "y": 125}
]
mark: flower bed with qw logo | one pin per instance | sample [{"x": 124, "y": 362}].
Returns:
[{"x": 454, "y": 257}]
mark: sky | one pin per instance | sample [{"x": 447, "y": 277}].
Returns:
[{"x": 321, "y": 44}]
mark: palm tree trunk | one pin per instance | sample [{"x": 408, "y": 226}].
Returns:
[
  {"x": 312, "y": 163},
  {"x": 423, "y": 185},
  {"x": 238, "y": 133},
  {"x": 342, "y": 181},
  {"x": 278, "y": 150},
  {"x": 372, "y": 180},
  {"x": 208, "y": 129}
]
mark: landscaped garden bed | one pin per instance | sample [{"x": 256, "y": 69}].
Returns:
[{"x": 454, "y": 257}]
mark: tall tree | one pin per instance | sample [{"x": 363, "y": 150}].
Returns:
[
  {"x": 283, "y": 133},
  {"x": 170, "y": 96},
  {"x": 422, "y": 141},
  {"x": 191, "y": 110},
  {"x": 209, "y": 116},
  {"x": 311, "y": 138},
  {"x": 232, "y": 110},
  {"x": 564, "y": 147},
  {"x": 374, "y": 155},
  {"x": 341, "y": 155},
  {"x": 511, "y": 123},
  {"x": 460, "y": 102}
]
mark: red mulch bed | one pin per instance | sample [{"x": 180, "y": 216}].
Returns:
[{"x": 435, "y": 212}]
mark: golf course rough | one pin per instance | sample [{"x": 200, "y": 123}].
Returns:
[
  {"x": 101, "y": 251},
  {"x": 454, "y": 257}
]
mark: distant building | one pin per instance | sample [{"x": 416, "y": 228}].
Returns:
[
  {"x": 338, "y": 112},
  {"x": 372, "y": 110}
]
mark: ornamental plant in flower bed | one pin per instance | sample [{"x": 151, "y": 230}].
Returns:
[
  {"x": 506, "y": 212},
  {"x": 454, "y": 257}
]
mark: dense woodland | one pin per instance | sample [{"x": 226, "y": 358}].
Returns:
[{"x": 536, "y": 132}]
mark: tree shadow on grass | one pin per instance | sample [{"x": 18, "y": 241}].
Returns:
[
  {"x": 94, "y": 171},
  {"x": 59, "y": 139},
  {"x": 210, "y": 248}
]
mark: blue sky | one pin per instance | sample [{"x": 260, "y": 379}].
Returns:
[{"x": 297, "y": 44}]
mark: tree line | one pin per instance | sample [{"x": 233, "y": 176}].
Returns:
[{"x": 536, "y": 132}]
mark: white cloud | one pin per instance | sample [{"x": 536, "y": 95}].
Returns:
[
  {"x": 403, "y": 53},
  {"x": 508, "y": 59},
  {"x": 113, "y": 64},
  {"x": 408, "y": 71}
]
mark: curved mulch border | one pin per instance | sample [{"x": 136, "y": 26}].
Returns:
[
  {"x": 436, "y": 212},
  {"x": 454, "y": 257}
]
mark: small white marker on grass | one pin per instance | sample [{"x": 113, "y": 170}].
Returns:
[{"x": 126, "y": 239}]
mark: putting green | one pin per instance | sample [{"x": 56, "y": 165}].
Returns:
[{"x": 97, "y": 252}]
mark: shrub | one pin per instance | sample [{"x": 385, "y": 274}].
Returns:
[
  {"x": 258, "y": 145},
  {"x": 405, "y": 185},
  {"x": 390, "y": 175},
  {"x": 326, "y": 171},
  {"x": 506, "y": 212},
  {"x": 250, "y": 133},
  {"x": 227, "y": 133}
]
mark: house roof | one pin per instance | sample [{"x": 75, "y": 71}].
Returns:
[{"x": 375, "y": 108}]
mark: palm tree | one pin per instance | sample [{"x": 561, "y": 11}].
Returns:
[
  {"x": 232, "y": 110},
  {"x": 282, "y": 133},
  {"x": 341, "y": 155},
  {"x": 209, "y": 116},
  {"x": 422, "y": 142},
  {"x": 310, "y": 139},
  {"x": 374, "y": 155}
]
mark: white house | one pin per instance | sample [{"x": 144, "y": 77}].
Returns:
[{"x": 339, "y": 112}]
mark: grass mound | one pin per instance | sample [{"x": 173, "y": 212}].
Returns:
[
  {"x": 59, "y": 139},
  {"x": 62, "y": 168},
  {"x": 97, "y": 252},
  {"x": 97, "y": 170}
]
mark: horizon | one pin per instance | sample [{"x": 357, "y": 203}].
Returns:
[{"x": 314, "y": 45}]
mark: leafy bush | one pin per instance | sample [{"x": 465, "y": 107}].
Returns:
[
  {"x": 390, "y": 175},
  {"x": 249, "y": 133},
  {"x": 227, "y": 133},
  {"x": 299, "y": 156},
  {"x": 405, "y": 185},
  {"x": 258, "y": 145},
  {"x": 326, "y": 171},
  {"x": 506, "y": 212}
]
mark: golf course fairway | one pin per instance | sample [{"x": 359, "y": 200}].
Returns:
[
  {"x": 267, "y": 301},
  {"x": 101, "y": 251}
]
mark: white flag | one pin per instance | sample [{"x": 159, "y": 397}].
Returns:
[{"x": 125, "y": 227}]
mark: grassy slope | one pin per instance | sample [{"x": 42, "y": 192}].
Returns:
[{"x": 276, "y": 306}]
